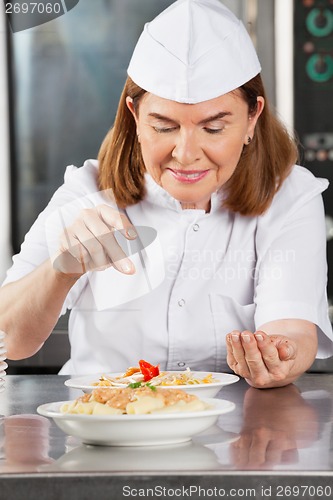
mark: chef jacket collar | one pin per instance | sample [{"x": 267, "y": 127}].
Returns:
[{"x": 156, "y": 195}]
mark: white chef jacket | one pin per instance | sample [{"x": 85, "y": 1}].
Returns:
[{"x": 202, "y": 276}]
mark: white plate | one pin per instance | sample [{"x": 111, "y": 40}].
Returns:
[
  {"x": 87, "y": 382},
  {"x": 3, "y": 367},
  {"x": 136, "y": 430},
  {"x": 176, "y": 457}
]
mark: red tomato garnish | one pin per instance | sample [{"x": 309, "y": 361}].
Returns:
[{"x": 148, "y": 371}]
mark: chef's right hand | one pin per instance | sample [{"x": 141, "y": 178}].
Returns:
[{"x": 89, "y": 244}]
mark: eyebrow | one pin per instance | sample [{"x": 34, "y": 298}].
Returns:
[
  {"x": 218, "y": 116},
  {"x": 209, "y": 119}
]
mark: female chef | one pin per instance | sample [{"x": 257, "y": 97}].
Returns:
[{"x": 194, "y": 240}]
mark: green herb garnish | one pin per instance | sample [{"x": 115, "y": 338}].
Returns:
[{"x": 135, "y": 385}]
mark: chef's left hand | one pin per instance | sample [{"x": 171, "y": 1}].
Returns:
[
  {"x": 271, "y": 433},
  {"x": 263, "y": 360}
]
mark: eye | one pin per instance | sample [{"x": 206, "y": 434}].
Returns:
[
  {"x": 213, "y": 130},
  {"x": 164, "y": 130}
]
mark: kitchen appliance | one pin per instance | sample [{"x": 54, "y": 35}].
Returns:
[
  {"x": 313, "y": 98},
  {"x": 313, "y": 109}
]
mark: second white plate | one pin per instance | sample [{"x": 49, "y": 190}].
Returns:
[
  {"x": 89, "y": 382},
  {"x": 136, "y": 430}
]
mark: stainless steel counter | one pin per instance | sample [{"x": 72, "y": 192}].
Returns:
[{"x": 276, "y": 444}]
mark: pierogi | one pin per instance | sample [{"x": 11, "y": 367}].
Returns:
[{"x": 134, "y": 401}]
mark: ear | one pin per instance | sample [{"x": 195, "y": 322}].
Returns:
[
  {"x": 254, "y": 118},
  {"x": 129, "y": 104}
]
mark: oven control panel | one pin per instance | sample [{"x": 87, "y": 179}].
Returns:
[
  {"x": 313, "y": 101},
  {"x": 313, "y": 77}
]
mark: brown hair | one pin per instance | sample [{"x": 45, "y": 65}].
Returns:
[{"x": 262, "y": 168}]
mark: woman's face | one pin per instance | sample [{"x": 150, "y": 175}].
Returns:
[{"x": 191, "y": 150}]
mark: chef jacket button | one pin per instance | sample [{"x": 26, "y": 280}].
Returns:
[
  {"x": 181, "y": 364},
  {"x": 196, "y": 227},
  {"x": 181, "y": 302}
]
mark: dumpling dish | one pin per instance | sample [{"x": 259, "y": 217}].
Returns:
[{"x": 134, "y": 401}]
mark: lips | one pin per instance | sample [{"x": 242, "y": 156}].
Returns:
[{"x": 188, "y": 176}]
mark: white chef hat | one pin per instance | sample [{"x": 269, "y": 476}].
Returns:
[{"x": 193, "y": 51}]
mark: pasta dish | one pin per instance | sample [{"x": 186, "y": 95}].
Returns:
[
  {"x": 134, "y": 401},
  {"x": 150, "y": 373}
]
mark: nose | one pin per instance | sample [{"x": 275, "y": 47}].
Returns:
[{"x": 186, "y": 150}]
